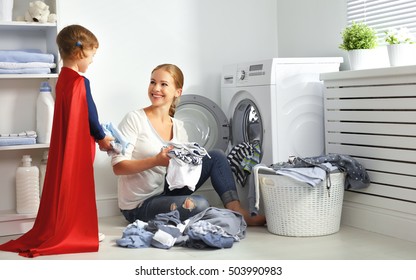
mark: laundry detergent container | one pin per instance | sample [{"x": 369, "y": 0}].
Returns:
[{"x": 295, "y": 208}]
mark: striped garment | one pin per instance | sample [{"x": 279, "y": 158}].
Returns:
[{"x": 242, "y": 158}]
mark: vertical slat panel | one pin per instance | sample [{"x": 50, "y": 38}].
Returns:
[{"x": 376, "y": 125}]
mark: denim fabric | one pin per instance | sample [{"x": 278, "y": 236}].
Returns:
[{"x": 216, "y": 168}]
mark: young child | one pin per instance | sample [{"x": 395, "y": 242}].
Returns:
[{"x": 67, "y": 218}]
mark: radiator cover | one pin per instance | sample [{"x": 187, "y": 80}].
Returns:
[{"x": 371, "y": 116}]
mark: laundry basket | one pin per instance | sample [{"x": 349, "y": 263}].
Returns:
[{"x": 294, "y": 208}]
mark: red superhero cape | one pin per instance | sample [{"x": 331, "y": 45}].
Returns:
[{"x": 67, "y": 219}]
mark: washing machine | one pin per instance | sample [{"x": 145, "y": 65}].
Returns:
[{"x": 277, "y": 102}]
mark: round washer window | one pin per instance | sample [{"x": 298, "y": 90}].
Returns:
[{"x": 246, "y": 123}]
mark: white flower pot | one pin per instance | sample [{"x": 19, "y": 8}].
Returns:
[
  {"x": 402, "y": 54},
  {"x": 368, "y": 58}
]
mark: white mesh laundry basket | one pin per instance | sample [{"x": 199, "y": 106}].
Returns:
[{"x": 294, "y": 208}]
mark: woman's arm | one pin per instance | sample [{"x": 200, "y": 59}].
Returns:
[{"x": 132, "y": 166}]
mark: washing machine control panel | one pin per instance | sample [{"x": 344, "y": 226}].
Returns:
[
  {"x": 253, "y": 74},
  {"x": 248, "y": 74},
  {"x": 241, "y": 75}
]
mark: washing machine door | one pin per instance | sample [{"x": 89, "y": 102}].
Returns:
[
  {"x": 246, "y": 123},
  {"x": 204, "y": 121}
]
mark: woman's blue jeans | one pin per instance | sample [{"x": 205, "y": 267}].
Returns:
[{"x": 216, "y": 168}]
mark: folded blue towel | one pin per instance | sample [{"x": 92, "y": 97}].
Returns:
[
  {"x": 25, "y": 56},
  {"x": 26, "y": 71},
  {"x": 120, "y": 143},
  {"x": 20, "y": 65},
  {"x": 11, "y": 141}
]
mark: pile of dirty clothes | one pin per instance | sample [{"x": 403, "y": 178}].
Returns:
[
  {"x": 213, "y": 228},
  {"x": 313, "y": 171}
]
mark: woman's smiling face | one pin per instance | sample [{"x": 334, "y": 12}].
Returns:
[{"x": 162, "y": 89}]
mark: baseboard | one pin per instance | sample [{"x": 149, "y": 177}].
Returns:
[
  {"x": 384, "y": 221},
  {"x": 107, "y": 206}
]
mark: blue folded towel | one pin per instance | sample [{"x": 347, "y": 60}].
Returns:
[
  {"x": 120, "y": 143},
  {"x": 25, "y": 56},
  {"x": 20, "y": 65},
  {"x": 22, "y": 138},
  {"x": 11, "y": 141},
  {"x": 26, "y": 71}
]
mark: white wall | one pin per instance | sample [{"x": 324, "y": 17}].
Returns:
[
  {"x": 311, "y": 28},
  {"x": 200, "y": 36}
]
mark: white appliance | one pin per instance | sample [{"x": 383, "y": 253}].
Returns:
[
  {"x": 277, "y": 101},
  {"x": 287, "y": 96}
]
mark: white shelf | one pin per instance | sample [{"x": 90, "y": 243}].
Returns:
[
  {"x": 18, "y": 91},
  {"x": 12, "y": 223},
  {"x": 22, "y": 25},
  {"x": 28, "y": 76},
  {"x": 11, "y": 215},
  {"x": 24, "y": 147}
]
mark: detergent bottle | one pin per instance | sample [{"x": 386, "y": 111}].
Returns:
[
  {"x": 44, "y": 114},
  {"x": 27, "y": 187}
]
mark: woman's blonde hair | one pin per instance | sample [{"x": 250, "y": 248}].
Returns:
[
  {"x": 72, "y": 40},
  {"x": 178, "y": 78}
]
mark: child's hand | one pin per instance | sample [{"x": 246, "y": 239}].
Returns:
[{"x": 105, "y": 143}]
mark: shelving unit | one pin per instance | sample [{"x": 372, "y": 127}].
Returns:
[{"x": 18, "y": 94}]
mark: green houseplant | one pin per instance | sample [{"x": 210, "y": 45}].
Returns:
[
  {"x": 399, "y": 36},
  {"x": 358, "y": 36},
  {"x": 401, "y": 47},
  {"x": 360, "y": 41}
]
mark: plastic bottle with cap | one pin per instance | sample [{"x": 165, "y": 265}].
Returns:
[
  {"x": 27, "y": 187},
  {"x": 44, "y": 113}
]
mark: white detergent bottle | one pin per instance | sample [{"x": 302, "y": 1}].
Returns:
[
  {"x": 42, "y": 171},
  {"x": 44, "y": 114},
  {"x": 27, "y": 187}
]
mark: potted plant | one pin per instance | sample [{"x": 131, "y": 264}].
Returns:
[
  {"x": 401, "y": 47},
  {"x": 359, "y": 40}
]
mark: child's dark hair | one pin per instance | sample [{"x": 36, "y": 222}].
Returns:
[{"x": 73, "y": 39}]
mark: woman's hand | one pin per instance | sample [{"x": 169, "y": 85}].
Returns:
[{"x": 162, "y": 158}]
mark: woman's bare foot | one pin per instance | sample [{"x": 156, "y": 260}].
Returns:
[{"x": 258, "y": 220}]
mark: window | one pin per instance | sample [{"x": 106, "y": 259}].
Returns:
[{"x": 383, "y": 15}]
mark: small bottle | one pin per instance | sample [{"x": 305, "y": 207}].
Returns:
[
  {"x": 27, "y": 187},
  {"x": 44, "y": 113},
  {"x": 42, "y": 171}
]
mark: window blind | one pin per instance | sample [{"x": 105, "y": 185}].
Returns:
[{"x": 382, "y": 15}]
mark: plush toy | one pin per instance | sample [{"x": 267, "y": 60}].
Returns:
[{"x": 39, "y": 12}]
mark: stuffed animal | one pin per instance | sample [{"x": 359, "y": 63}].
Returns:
[{"x": 39, "y": 12}]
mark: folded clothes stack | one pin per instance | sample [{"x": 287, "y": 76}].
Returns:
[
  {"x": 26, "y": 62},
  {"x": 22, "y": 138}
]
